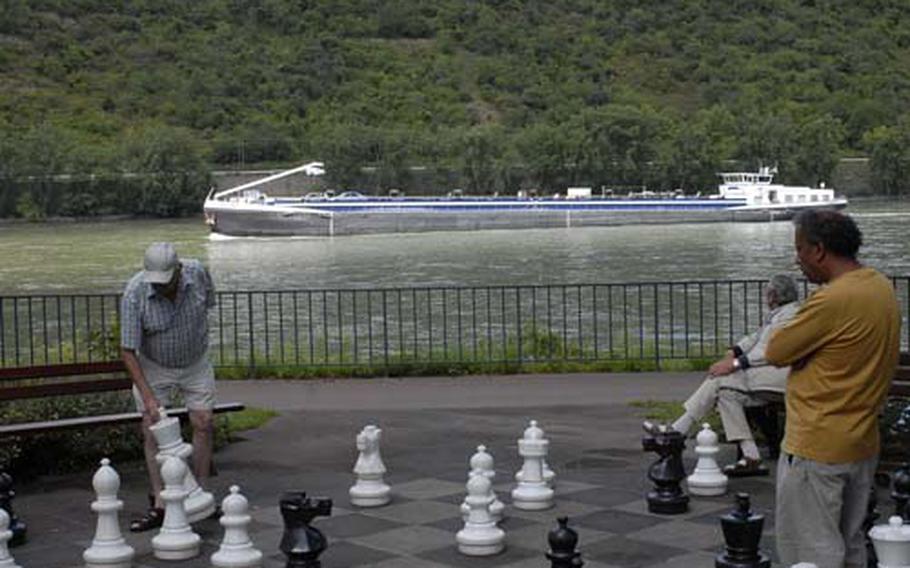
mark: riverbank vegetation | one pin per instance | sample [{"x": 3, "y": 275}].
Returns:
[{"x": 125, "y": 107}]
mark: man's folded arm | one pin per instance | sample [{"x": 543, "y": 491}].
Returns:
[{"x": 803, "y": 335}]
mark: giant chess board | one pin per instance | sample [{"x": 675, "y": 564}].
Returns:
[{"x": 601, "y": 486}]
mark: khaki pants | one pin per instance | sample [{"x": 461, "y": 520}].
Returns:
[
  {"x": 730, "y": 405},
  {"x": 820, "y": 511}
]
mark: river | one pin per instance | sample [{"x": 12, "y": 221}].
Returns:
[{"x": 100, "y": 256}]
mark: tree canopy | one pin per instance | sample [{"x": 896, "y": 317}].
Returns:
[{"x": 496, "y": 94}]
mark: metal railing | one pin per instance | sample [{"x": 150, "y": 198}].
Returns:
[{"x": 385, "y": 328}]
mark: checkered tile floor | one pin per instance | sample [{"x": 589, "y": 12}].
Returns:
[
  {"x": 601, "y": 485},
  {"x": 418, "y": 528},
  {"x": 615, "y": 529}
]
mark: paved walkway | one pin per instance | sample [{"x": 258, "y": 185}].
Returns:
[{"x": 431, "y": 427}]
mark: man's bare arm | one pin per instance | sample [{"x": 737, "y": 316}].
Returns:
[{"x": 138, "y": 377}]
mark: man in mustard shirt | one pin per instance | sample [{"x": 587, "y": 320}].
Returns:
[{"x": 843, "y": 349}]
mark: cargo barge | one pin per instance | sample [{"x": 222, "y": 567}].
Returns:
[{"x": 246, "y": 210}]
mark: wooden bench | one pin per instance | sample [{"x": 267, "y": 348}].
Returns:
[
  {"x": 44, "y": 381},
  {"x": 769, "y": 417},
  {"x": 900, "y": 388}
]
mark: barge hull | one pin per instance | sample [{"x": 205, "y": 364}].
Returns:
[{"x": 262, "y": 222}]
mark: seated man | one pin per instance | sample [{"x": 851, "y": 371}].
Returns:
[{"x": 743, "y": 371}]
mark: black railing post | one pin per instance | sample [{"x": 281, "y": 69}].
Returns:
[{"x": 250, "y": 328}]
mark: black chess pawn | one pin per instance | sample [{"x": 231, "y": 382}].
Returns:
[
  {"x": 900, "y": 491},
  {"x": 742, "y": 533},
  {"x": 563, "y": 541},
  {"x": 872, "y": 515},
  {"x": 667, "y": 472},
  {"x": 302, "y": 543},
  {"x": 6, "y": 503}
]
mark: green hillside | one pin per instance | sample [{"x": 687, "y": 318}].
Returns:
[{"x": 491, "y": 95}]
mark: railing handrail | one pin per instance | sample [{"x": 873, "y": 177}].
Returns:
[{"x": 434, "y": 287}]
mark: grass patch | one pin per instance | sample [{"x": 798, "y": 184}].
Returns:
[
  {"x": 667, "y": 411},
  {"x": 248, "y": 419},
  {"x": 398, "y": 368}
]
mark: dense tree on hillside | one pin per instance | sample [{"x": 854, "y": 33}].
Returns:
[
  {"x": 889, "y": 149},
  {"x": 612, "y": 93}
]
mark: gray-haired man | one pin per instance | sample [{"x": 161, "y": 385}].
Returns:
[
  {"x": 164, "y": 344},
  {"x": 733, "y": 381}
]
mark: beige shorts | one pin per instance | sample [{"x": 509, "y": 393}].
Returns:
[{"x": 195, "y": 384}]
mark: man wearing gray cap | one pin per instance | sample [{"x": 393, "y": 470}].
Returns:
[{"x": 164, "y": 344}]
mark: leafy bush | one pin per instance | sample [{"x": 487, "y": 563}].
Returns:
[
  {"x": 25, "y": 457},
  {"x": 894, "y": 426}
]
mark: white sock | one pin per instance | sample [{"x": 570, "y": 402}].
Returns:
[
  {"x": 749, "y": 450},
  {"x": 683, "y": 424}
]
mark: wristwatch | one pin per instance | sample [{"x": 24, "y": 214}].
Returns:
[{"x": 736, "y": 363}]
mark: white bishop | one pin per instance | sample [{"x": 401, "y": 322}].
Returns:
[{"x": 108, "y": 549}]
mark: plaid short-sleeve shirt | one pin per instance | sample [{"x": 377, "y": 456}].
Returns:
[{"x": 172, "y": 334}]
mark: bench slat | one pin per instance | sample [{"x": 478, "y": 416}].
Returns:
[
  {"x": 61, "y": 370},
  {"x": 64, "y": 388},
  {"x": 26, "y": 428}
]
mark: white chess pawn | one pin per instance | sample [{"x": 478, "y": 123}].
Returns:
[
  {"x": 892, "y": 543},
  {"x": 108, "y": 549},
  {"x": 6, "y": 560},
  {"x": 236, "y": 550},
  {"x": 532, "y": 492},
  {"x": 369, "y": 490},
  {"x": 176, "y": 539},
  {"x": 200, "y": 504},
  {"x": 707, "y": 479},
  {"x": 482, "y": 464},
  {"x": 480, "y": 535}
]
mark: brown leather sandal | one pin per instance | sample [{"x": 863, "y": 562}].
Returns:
[
  {"x": 746, "y": 468},
  {"x": 152, "y": 519}
]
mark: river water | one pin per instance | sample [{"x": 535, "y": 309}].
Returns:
[{"x": 100, "y": 256}]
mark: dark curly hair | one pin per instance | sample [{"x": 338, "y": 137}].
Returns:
[{"x": 833, "y": 230}]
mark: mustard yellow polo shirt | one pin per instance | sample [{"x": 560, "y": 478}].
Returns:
[{"x": 843, "y": 347}]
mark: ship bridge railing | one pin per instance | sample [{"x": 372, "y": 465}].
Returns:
[{"x": 652, "y": 325}]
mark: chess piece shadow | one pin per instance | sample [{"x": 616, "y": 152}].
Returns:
[{"x": 301, "y": 542}]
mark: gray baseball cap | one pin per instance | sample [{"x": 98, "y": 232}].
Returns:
[{"x": 160, "y": 263}]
